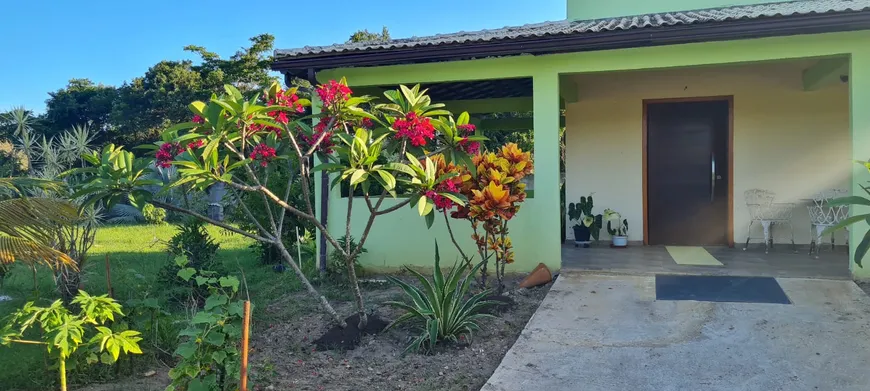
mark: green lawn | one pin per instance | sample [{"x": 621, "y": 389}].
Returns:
[{"x": 136, "y": 254}]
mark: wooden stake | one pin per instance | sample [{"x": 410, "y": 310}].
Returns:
[
  {"x": 246, "y": 331},
  {"x": 109, "y": 278}
]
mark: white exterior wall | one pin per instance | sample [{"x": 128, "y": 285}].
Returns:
[{"x": 786, "y": 140}]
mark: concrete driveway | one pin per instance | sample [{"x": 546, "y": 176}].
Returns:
[{"x": 607, "y": 332}]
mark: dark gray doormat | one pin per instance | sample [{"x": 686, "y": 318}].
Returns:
[{"x": 720, "y": 288}]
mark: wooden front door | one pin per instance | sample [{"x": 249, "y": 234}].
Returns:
[{"x": 687, "y": 172}]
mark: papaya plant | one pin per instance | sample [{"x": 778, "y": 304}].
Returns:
[{"x": 65, "y": 332}]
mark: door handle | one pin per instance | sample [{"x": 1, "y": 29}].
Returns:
[{"x": 712, "y": 176}]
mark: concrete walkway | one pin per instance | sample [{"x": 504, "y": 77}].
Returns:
[{"x": 607, "y": 332}]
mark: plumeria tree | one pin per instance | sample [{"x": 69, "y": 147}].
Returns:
[{"x": 367, "y": 146}]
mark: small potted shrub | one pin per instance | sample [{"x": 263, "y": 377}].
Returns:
[
  {"x": 617, "y": 227},
  {"x": 585, "y": 224}
]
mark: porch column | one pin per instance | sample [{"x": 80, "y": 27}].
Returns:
[
  {"x": 545, "y": 87},
  {"x": 859, "y": 99}
]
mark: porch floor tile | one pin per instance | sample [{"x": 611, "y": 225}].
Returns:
[{"x": 780, "y": 262}]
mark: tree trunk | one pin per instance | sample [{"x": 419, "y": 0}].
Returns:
[
  {"x": 62, "y": 370},
  {"x": 216, "y": 194},
  {"x": 323, "y": 302},
  {"x": 68, "y": 283},
  {"x": 357, "y": 294}
]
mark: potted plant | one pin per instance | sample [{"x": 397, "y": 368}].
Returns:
[
  {"x": 618, "y": 231},
  {"x": 586, "y": 225}
]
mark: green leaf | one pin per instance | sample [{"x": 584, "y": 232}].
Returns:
[
  {"x": 182, "y": 126},
  {"x": 421, "y": 205},
  {"x": 214, "y": 301},
  {"x": 237, "y": 308},
  {"x": 388, "y": 178},
  {"x": 358, "y": 177},
  {"x": 459, "y": 199},
  {"x": 197, "y": 385},
  {"x": 186, "y": 273},
  {"x": 197, "y": 107},
  {"x": 204, "y": 317},
  {"x": 187, "y": 349},
  {"x": 845, "y": 223},
  {"x": 430, "y": 219},
  {"x": 107, "y": 358},
  {"x": 219, "y": 356},
  {"x": 328, "y": 167},
  {"x": 861, "y": 250},
  {"x": 403, "y": 168},
  {"x": 851, "y": 200},
  {"x": 463, "y": 118},
  {"x": 229, "y": 282},
  {"x": 216, "y": 338}
]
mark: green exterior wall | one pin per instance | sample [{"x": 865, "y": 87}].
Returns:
[
  {"x": 597, "y": 9},
  {"x": 402, "y": 238},
  {"x": 859, "y": 99}
]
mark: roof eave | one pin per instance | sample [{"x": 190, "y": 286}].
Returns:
[{"x": 566, "y": 43}]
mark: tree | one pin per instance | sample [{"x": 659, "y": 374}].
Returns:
[
  {"x": 148, "y": 104},
  {"x": 235, "y": 140},
  {"x": 137, "y": 111},
  {"x": 80, "y": 102},
  {"x": 248, "y": 69},
  {"x": 366, "y": 36}
]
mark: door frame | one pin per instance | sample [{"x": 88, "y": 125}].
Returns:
[{"x": 730, "y": 146}]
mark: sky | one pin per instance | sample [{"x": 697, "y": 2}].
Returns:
[{"x": 47, "y": 42}]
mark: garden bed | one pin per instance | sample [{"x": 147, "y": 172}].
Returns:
[{"x": 283, "y": 357}]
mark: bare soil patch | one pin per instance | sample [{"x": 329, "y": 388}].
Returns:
[{"x": 283, "y": 356}]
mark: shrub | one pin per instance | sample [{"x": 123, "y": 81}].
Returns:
[
  {"x": 440, "y": 309},
  {"x": 209, "y": 351},
  {"x": 195, "y": 246},
  {"x": 154, "y": 215},
  {"x": 193, "y": 241},
  {"x": 63, "y": 332}
]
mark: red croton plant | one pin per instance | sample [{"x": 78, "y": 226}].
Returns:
[
  {"x": 238, "y": 141},
  {"x": 494, "y": 190}
]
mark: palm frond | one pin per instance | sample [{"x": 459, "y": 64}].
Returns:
[
  {"x": 35, "y": 219},
  {"x": 19, "y": 185},
  {"x": 14, "y": 249}
]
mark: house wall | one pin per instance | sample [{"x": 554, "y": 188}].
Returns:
[
  {"x": 596, "y": 9},
  {"x": 786, "y": 140},
  {"x": 544, "y": 246}
]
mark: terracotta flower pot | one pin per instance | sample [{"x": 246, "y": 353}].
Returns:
[{"x": 540, "y": 276}]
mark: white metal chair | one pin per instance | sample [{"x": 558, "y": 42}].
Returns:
[
  {"x": 824, "y": 216},
  {"x": 763, "y": 210}
]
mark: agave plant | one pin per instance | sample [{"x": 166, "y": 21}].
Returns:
[
  {"x": 859, "y": 201},
  {"x": 440, "y": 308}
]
